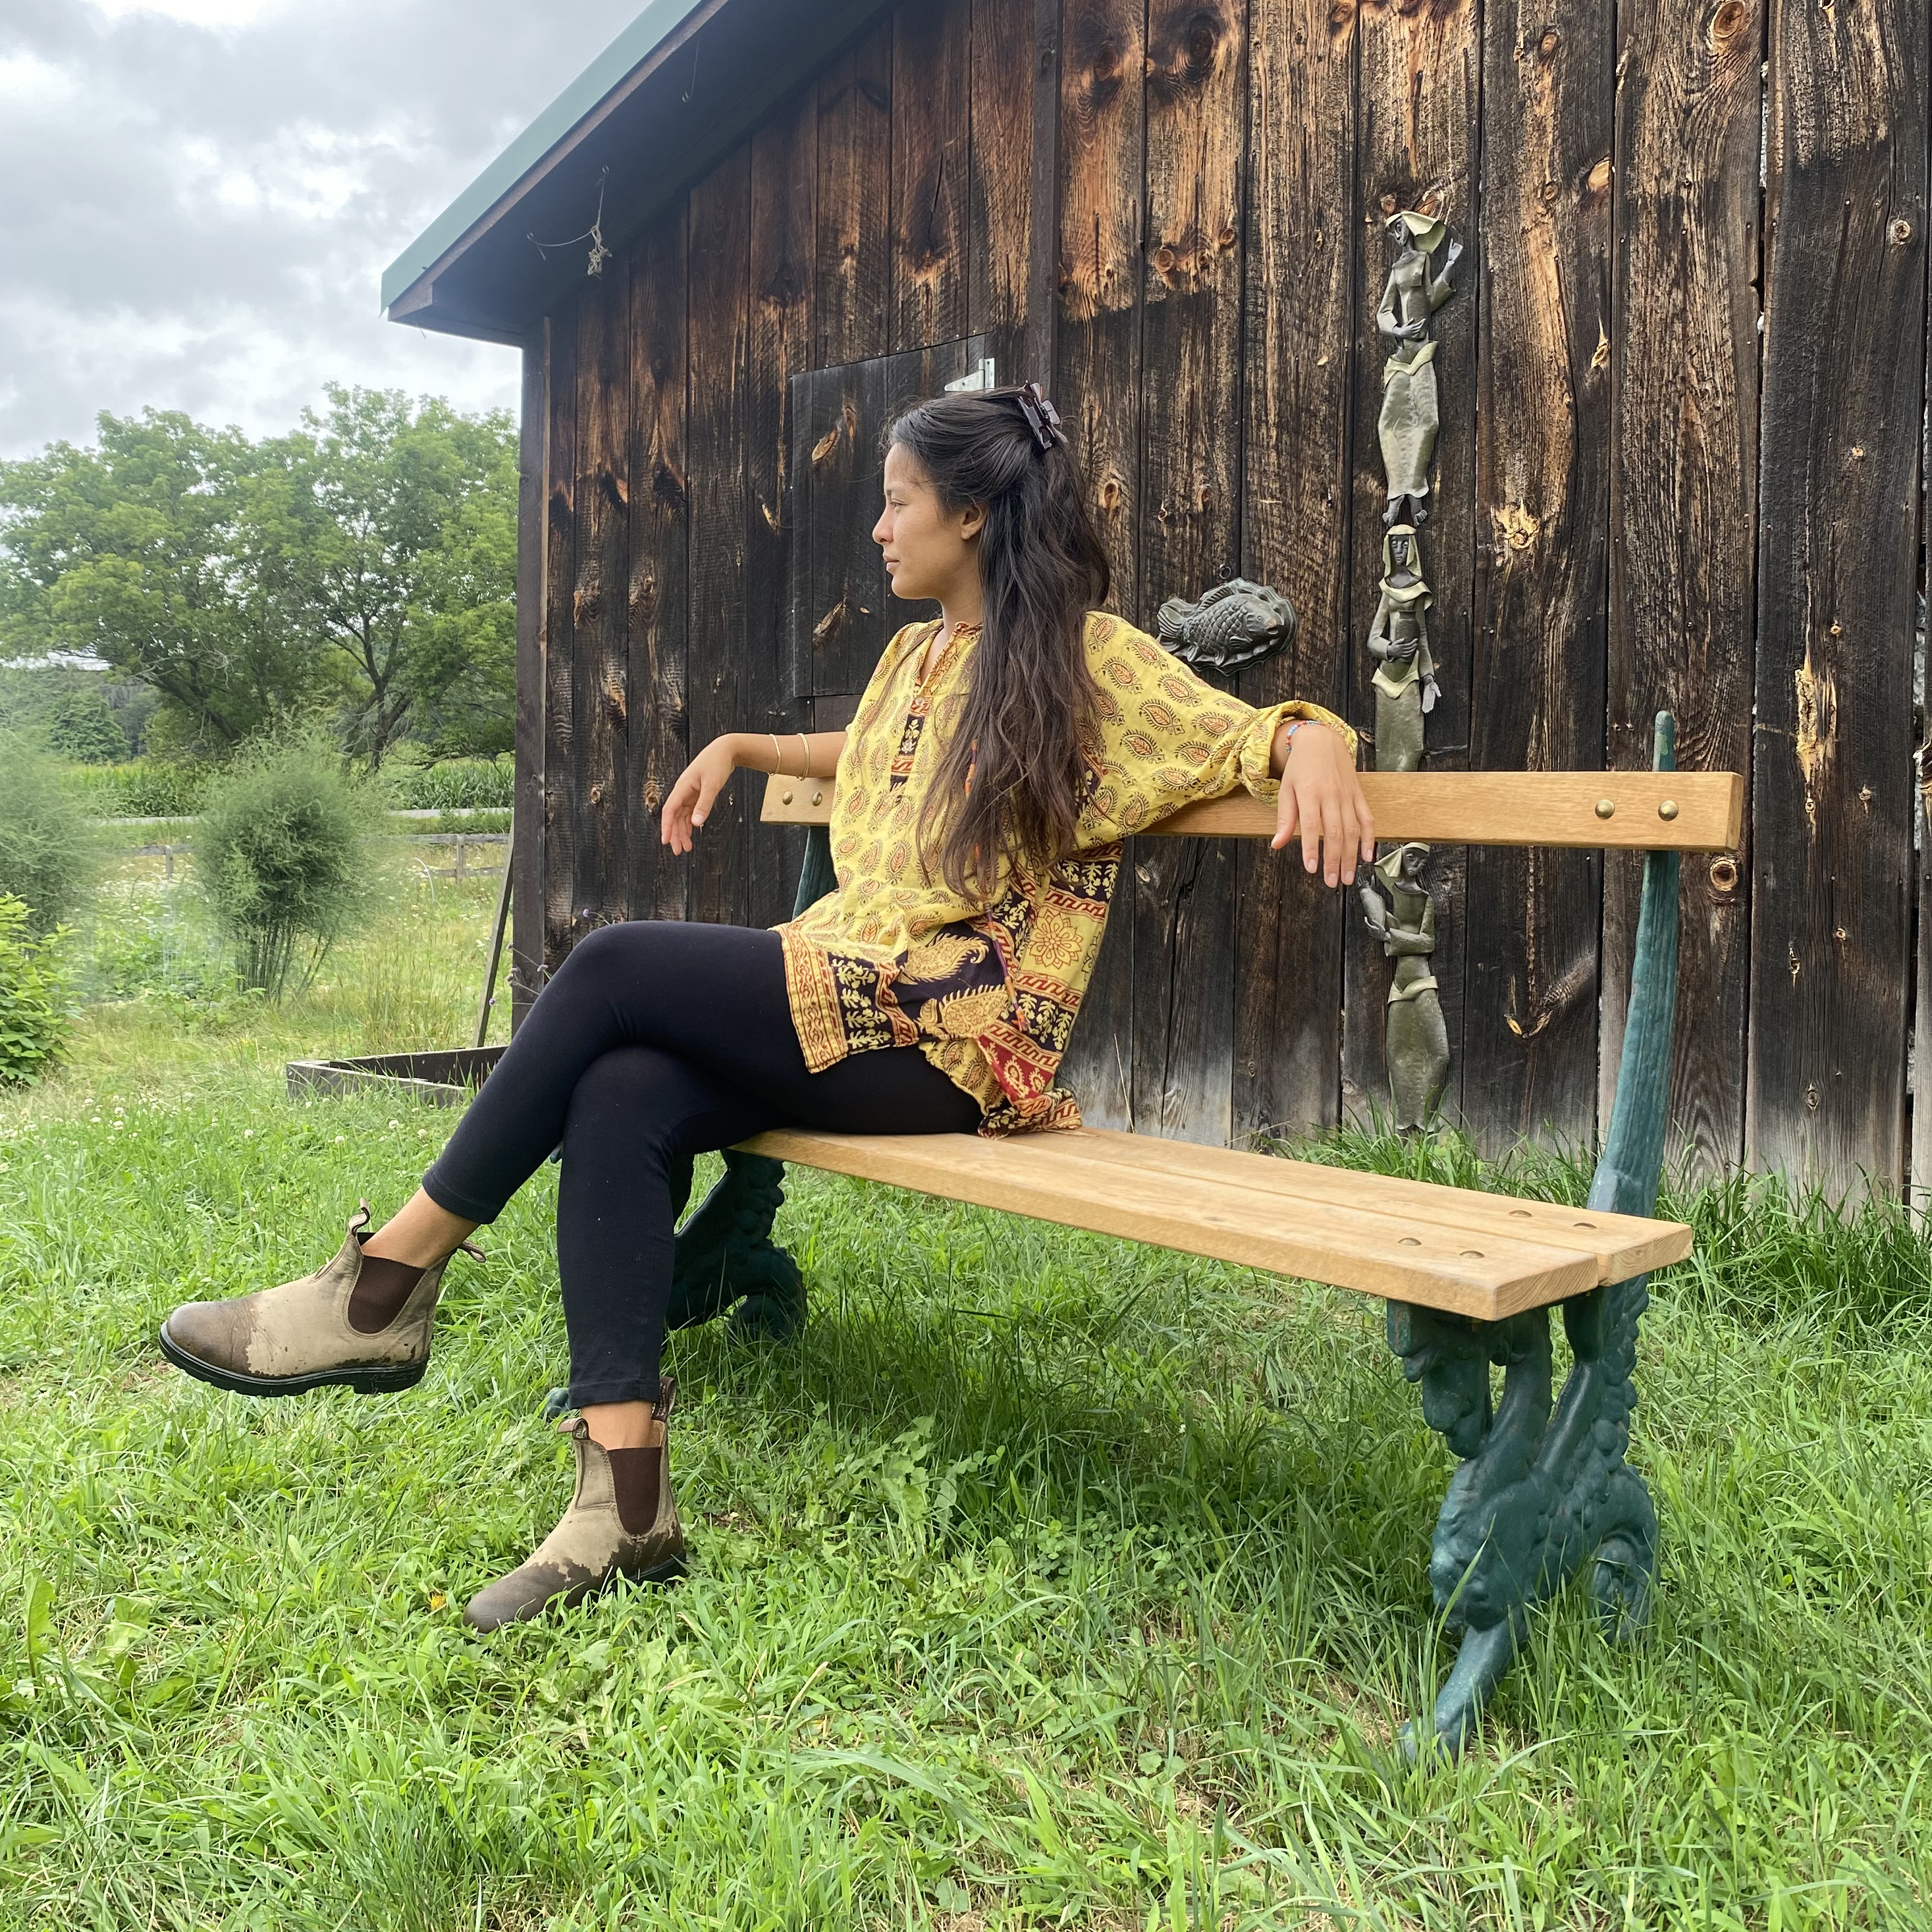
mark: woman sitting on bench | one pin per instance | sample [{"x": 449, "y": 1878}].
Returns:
[{"x": 999, "y": 756}]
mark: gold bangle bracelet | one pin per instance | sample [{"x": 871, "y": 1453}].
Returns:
[
  {"x": 805, "y": 745},
  {"x": 778, "y": 763}
]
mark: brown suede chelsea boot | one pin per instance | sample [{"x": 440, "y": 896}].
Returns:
[
  {"x": 280, "y": 1341},
  {"x": 621, "y": 1522}
]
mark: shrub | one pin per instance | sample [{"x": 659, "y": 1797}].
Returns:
[
  {"x": 47, "y": 850},
  {"x": 280, "y": 850},
  {"x": 35, "y": 1013}
]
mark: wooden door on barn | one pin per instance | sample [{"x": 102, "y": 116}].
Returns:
[{"x": 841, "y": 610}]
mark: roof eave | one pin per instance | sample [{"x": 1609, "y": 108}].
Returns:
[{"x": 667, "y": 99}]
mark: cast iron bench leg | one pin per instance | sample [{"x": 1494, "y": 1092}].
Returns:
[
  {"x": 725, "y": 1253},
  {"x": 1538, "y": 1496}
]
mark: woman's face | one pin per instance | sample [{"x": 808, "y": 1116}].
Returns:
[{"x": 929, "y": 553}]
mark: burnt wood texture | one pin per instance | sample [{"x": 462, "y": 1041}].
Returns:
[
  {"x": 1680, "y": 467},
  {"x": 1838, "y": 554},
  {"x": 1684, "y": 481}
]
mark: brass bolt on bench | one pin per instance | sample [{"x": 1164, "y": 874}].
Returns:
[{"x": 1543, "y": 1489}]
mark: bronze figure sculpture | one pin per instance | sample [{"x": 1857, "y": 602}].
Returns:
[
  {"x": 1405, "y": 679},
  {"x": 1416, "y": 288},
  {"x": 1418, "y": 1038},
  {"x": 1234, "y": 624}
]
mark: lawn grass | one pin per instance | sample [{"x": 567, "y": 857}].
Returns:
[{"x": 1049, "y": 1580}]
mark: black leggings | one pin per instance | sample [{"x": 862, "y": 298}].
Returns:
[{"x": 656, "y": 1041}]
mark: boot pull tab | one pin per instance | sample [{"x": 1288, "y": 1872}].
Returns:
[
  {"x": 359, "y": 1222},
  {"x": 667, "y": 1400},
  {"x": 470, "y": 1249}
]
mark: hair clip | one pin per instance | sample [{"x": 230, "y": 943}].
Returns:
[{"x": 1042, "y": 418}]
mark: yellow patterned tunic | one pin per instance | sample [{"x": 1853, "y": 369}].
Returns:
[{"x": 894, "y": 958}]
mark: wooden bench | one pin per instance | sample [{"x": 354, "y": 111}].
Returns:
[{"x": 1543, "y": 1488}]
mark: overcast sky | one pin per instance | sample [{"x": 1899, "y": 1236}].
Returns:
[{"x": 198, "y": 197}]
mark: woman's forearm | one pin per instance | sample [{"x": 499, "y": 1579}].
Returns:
[{"x": 794, "y": 755}]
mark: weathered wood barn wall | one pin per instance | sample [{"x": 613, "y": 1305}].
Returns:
[{"x": 1683, "y": 391}]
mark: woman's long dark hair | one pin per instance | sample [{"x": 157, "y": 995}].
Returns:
[{"x": 1012, "y": 779}]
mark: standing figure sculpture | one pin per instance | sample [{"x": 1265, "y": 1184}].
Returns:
[
  {"x": 1418, "y": 1039},
  {"x": 1417, "y": 286},
  {"x": 1405, "y": 680}
]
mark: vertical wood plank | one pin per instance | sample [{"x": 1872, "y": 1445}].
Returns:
[
  {"x": 1302, "y": 283},
  {"x": 999, "y": 225},
  {"x": 598, "y": 604},
  {"x": 1532, "y": 917},
  {"x": 657, "y": 599},
  {"x": 560, "y": 880},
  {"x": 784, "y": 249},
  {"x": 1918, "y": 1049},
  {"x": 1684, "y": 363},
  {"x": 853, "y": 292},
  {"x": 719, "y": 347},
  {"x": 1918, "y": 1044},
  {"x": 1843, "y": 373},
  {"x": 526, "y": 856},
  {"x": 1043, "y": 309},
  {"x": 1183, "y": 890},
  {"x": 931, "y": 149},
  {"x": 1097, "y": 382},
  {"x": 1419, "y": 106}
]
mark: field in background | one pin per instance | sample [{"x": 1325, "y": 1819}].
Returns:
[{"x": 1049, "y": 1580}]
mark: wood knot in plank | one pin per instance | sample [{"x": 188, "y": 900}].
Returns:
[
  {"x": 1728, "y": 22},
  {"x": 828, "y": 625},
  {"x": 1815, "y": 740},
  {"x": 1575, "y": 980},
  {"x": 1517, "y": 526},
  {"x": 667, "y": 488}
]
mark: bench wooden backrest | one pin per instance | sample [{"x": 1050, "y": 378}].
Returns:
[{"x": 1645, "y": 811}]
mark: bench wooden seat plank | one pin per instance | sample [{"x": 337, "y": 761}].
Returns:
[
  {"x": 1624, "y": 1244},
  {"x": 1423, "y": 1258}
]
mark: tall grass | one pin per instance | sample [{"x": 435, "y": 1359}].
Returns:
[{"x": 1049, "y": 1580}]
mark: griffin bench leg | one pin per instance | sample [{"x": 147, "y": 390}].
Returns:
[
  {"x": 1539, "y": 1494},
  {"x": 725, "y": 1254}
]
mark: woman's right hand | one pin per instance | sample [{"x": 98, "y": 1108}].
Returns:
[{"x": 689, "y": 801}]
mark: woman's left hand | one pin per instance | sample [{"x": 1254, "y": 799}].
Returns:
[{"x": 1322, "y": 798}]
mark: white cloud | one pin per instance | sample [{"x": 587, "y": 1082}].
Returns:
[{"x": 202, "y": 195}]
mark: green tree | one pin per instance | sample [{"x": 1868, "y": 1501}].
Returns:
[
  {"x": 386, "y": 531},
  {"x": 136, "y": 552},
  {"x": 81, "y": 726}
]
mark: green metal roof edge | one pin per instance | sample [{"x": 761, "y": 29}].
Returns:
[{"x": 655, "y": 25}]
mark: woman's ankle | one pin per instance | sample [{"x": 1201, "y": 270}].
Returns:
[
  {"x": 420, "y": 1235},
  {"x": 623, "y": 1425}
]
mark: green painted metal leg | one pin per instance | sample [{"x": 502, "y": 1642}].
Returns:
[
  {"x": 1540, "y": 1493},
  {"x": 726, "y": 1257}
]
